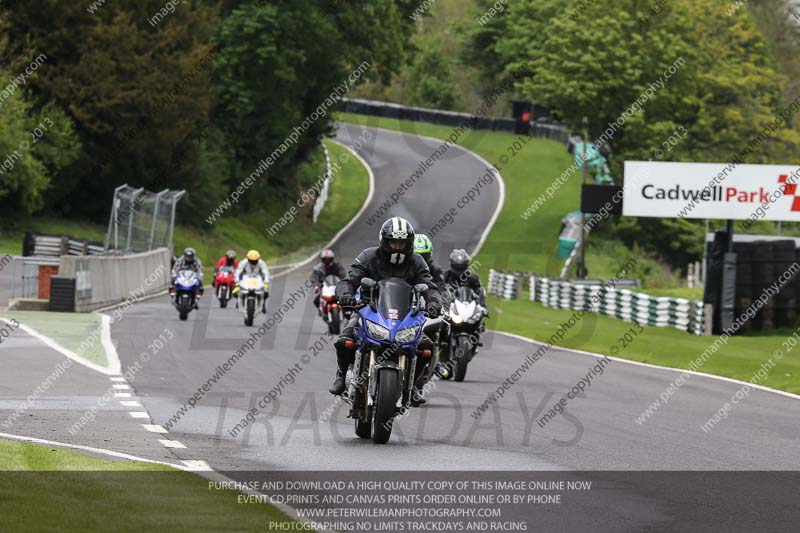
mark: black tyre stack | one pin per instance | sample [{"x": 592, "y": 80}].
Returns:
[
  {"x": 763, "y": 277},
  {"x": 745, "y": 291},
  {"x": 759, "y": 264},
  {"x": 786, "y": 300}
]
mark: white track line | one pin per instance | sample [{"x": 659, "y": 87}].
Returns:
[
  {"x": 194, "y": 466},
  {"x": 658, "y": 367},
  {"x": 154, "y": 428},
  {"x": 118, "y": 378},
  {"x": 112, "y": 453},
  {"x": 130, "y": 403},
  {"x": 167, "y": 443},
  {"x": 352, "y": 221},
  {"x": 138, "y": 414},
  {"x": 122, "y": 394},
  {"x": 114, "y": 364},
  {"x": 121, "y": 386},
  {"x": 197, "y": 466},
  {"x": 69, "y": 354}
]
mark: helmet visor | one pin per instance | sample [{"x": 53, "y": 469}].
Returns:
[{"x": 396, "y": 245}]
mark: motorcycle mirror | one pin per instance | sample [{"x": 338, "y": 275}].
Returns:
[
  {"x": 421, "y": 287},
  {"x": 368, "y": 283}
]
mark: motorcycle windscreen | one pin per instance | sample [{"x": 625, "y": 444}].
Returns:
[
  {"x": 394, "y": 298},
  {"x": 330, "y": 279},
  {"x": 464, "y": 294}
]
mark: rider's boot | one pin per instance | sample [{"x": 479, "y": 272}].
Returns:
[{"x": 344, "y": 357}]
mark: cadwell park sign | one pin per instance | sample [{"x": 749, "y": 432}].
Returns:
[{"x": 711, "y": 190}]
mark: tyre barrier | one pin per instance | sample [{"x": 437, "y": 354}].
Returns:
[
  {"x": 607, "y": 297},
  {"x": 504, "y": 285}
]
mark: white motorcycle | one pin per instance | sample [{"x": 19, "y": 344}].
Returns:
[
  {"x": 252, "y": 297},
  {"x": 465, "y": 324}
]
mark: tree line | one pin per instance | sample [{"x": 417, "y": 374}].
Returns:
[{"x": 193, "y": 102}]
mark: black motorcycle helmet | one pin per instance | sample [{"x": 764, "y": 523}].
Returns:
[
  {"x": 397, "y": 239},
  {"x": 459, "y": 261},
  {"x": 327, "y": 256},
  {"x": 189, "y": 255}
]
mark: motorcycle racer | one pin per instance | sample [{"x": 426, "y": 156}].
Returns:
[
  {"x": 326, "y": 267},
  {"x": 188, "y": 261},
  {"x": 229, "y": 259},
  {"x": 254, "y": 265},
  {"x": 394, "y": 257}
]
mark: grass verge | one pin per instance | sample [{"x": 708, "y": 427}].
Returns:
[
  {"x": 740, "y": 358},
  {"x": 44, "y": 488},
  {"x": 70, "y": 330},
  {"x": 530, "y": 245}
]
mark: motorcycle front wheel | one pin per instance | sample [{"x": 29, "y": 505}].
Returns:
[
  {"x": 251, "y": 311},
  {"x": 223, "y": 297},
  {"x": 383, "y": 411},
  {"x": 462, "y": 349}
]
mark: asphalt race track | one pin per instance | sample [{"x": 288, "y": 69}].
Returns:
[{"x": 597, "y": 432}]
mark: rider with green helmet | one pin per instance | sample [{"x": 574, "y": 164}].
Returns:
[{"x": 424, "y": 247}]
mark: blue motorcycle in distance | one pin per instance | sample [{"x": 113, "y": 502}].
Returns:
[
  {"x": 380, "y": 382},
  {"x": 187, "y": 285}
]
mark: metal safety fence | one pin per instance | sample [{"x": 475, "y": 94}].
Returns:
[
  {"x": 141, "y": 220},
  {"x": 319, "y": 203}
]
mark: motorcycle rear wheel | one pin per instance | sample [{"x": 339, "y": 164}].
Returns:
[{"x": 335, "y": 322}]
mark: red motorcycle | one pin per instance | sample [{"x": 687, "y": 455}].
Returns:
[
  {"x": 329, "y": 306},
  {"x": 223, "y": 282}
]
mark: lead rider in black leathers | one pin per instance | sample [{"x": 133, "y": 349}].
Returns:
[{"x": 394, "y": 257}]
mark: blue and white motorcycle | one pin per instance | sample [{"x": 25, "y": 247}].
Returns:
[
  {"x": 380, "y": 382},
  {"x": 187, "y": 285}
]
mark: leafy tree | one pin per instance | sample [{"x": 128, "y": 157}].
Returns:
[
  {"x": 280, "y": 61},
  {"x": 34, "y": 146},
  {"x": 430, "y": 78},
  {"x": 134, "y": 91},
  {"x": 597, "y": 60}
]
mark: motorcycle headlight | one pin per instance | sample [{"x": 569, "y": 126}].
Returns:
[
  {"x": 456, "y": 319},
  {"x": 377, "y": 332},
  {"x": 477, "y": 315},
  {"x": 406, "y": 335}
]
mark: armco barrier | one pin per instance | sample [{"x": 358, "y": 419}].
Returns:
[
  {"x": 376, "y": 108},
  {"x": 50, "y": 245},
  {"x": 101, "y": 281},
  {"x": 322, "y": 197}
]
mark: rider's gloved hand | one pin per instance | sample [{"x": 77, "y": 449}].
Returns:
[{"x": 347, "y": 301}]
